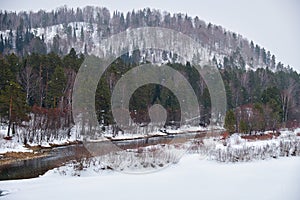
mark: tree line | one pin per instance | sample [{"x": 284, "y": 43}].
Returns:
[
  {"x": 36, "y": 95},
  {"x": 261, "y": 100}
]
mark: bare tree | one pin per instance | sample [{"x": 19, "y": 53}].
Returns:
[
  {"x": 286, "y": 97},
  {"x": 28, "y": 81}
]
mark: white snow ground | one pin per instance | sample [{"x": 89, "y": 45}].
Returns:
[
  {"x": 10, "y": 145},
  {"x": 191, "y": 178}
]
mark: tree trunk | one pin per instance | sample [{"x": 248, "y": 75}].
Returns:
[
  {"x": 10, "y": 118},
  {"x": 40, "y": 88}
]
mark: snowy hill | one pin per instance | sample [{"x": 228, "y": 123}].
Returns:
[{"x": 84, "y": 29}]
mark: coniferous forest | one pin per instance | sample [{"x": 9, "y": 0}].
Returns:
[{"x": 37, "y": 72}]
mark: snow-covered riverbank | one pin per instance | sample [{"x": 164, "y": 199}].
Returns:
[
  {"x": 197, "y": 175},
  {"x": 15, "y": 144},
  {"x": 191, "y": 178}
]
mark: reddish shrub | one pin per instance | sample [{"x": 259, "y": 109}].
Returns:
[{"x": 225, "y": 135}]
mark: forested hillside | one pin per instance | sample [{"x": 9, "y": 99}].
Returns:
[
  {"x": 82, "y": 29},
  {"x": 40, "y": 54}
]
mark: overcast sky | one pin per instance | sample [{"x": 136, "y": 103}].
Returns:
[{"x": 273, "y": 24}]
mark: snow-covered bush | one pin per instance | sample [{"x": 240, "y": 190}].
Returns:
[
  {"x": 245, "y": 153},
  {"x": 237, "y": 149},
  {"x": 144, "y": 159},
  {"x": 235, "y": 139},
  {"x": 256, "y": 151}
]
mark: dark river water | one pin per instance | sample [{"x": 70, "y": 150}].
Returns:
[{"x": 60, "y": 155}]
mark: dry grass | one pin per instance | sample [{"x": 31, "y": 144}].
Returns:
[{"x": 267, "y": 136}]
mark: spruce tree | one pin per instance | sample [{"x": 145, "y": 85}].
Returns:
[
  {"x": 1, "y": 44},
  {"x": 13, "y": 105},
  {"x": 56, "y": 86},
  {"x": 230, "y": 121}
]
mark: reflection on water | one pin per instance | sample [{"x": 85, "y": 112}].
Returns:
[
  {"x": 38, "y": 166},
  {"x": 60, "y": 155}
]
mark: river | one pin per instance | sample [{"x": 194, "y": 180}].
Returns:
[{"x": 58, "y": 156}]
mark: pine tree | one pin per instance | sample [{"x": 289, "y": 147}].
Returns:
[
  {"x": 206, "y": 102},
  {"x": 230, "y": 121},
  {"x": 264, "y": 55},
  {"x": 1, "y": 44},
  {"x": 13, "y": 105},
  {"x": 19, "y": 40},
  {"x": 273, "y": 62},
  {"x": 71, "y": 60},
  {"x": 102, "y": 103},
  {"x": 56, "y": 86},
  {"x": 74, "y": 35},
  {"x": 55, "y": 45},
  {"x": 81, "y": 34},
  {"x": 12, "y": 97},
  {"x": 10, "y": 39},
  {"x": 243, "y": 127},
  {"x": 252, "y": 45},
  {"x": 6, "y": 73}
]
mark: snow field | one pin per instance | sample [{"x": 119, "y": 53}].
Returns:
[{"x": 191, "y": 178}]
